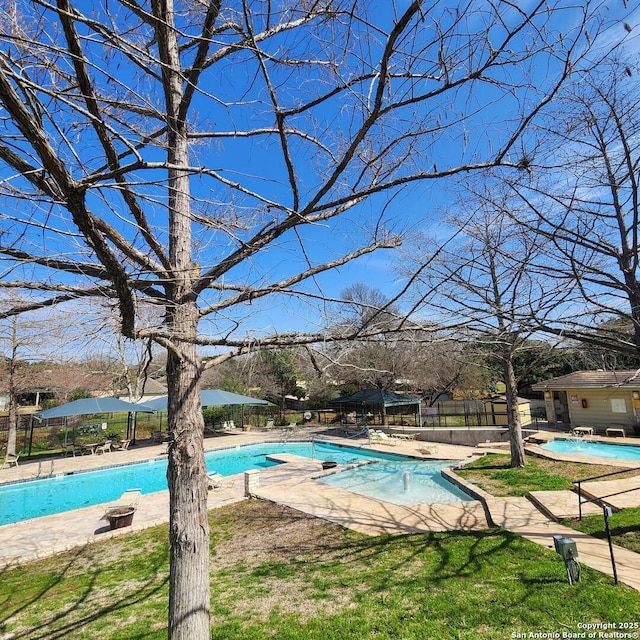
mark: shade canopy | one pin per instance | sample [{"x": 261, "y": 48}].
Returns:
[
  {"x": 377, "y": 397},
  {"x": 87, "y": 406},
  {"x": 379, "y": 402},
  {"x": 208, "y": 398}
]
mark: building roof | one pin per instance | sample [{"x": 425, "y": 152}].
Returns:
[
  {"x": 58, "y": 379},
  {"x": 591, "y": 380},
  {"x": 208, "y": 398},
  {"x": 152, "y": 387}
]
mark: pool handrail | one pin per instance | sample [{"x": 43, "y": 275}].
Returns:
[{"x": 604, "y": 475}]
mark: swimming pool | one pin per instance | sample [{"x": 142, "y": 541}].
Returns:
[
  {"x": 581, "y": 447},
  {"x": 400, "y": 482},
  {"x": 37, "y": 498}
]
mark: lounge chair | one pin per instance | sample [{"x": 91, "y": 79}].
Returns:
[
  {"x": 215, "y": 480},
  {"x": 121, "y": 445},
  {"x": 403, "y": 436},
  {"x": 129, "y": 498},
  {"x": 11, "y": 459},
  {"x": 218, "y": 482},
  {"x": 209, "y": 430},
  {"x": 380, "y": 437}
]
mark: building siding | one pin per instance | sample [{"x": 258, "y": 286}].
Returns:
[{"x": 604, "y": 407}]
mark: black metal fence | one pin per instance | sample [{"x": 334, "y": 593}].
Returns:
[
  {"x": 37, "y": 436},
  {"x": 474, "y": 413}
]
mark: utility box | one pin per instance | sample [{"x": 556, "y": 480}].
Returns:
[{"x": 565, "y": 547}]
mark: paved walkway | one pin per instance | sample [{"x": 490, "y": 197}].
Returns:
[
  {"x": 518, "y": 515},
  {"x": 293, "y": 484}
]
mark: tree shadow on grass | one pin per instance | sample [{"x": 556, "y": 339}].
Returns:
[
  {"x": 93, "y": 598},
  {"x": 491, "y": 578}
]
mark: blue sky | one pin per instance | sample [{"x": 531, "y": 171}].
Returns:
[{"x": 238, "y": 101}]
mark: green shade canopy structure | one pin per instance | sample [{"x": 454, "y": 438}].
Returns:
[
  {"x": 87, "y": 406},
  {"x": 376, "y": 401},
  {"x": 208, "y": 398},
  {"x": 376, "y": 397}
]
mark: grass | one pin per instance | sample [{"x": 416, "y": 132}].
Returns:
[
  {"x": 623, "y": 525},
  {"x": 279, "y": 574},
  {"x": 493, "y": 474}
]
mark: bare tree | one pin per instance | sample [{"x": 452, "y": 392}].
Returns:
[
  {"x": 12, "y": 337},
  {"x": 374, "y": 362},
  {"x": 176, "y": 152},
  {"x": 486, "y": 283},
  {"x": 128, "y": 361},
  {"x": 583, "y": 196},
  {"x": 38, "y": 337}
]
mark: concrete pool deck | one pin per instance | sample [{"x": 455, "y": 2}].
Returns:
[
  {"x": 292, "y": 484},
  {"x": 42, "y": 537}
]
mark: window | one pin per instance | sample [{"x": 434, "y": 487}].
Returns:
[{"x": 618, "y": 405}]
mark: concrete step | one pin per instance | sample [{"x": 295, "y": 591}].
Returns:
[
  {"x": 559, "y": 505},
  {"x": 619, "y": 494}
]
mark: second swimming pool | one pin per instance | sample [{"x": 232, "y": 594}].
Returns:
[
  {"x": 581, "y": 447},
  {"x": 37, "y": 498}
]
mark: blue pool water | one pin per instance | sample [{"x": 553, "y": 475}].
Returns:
[
  {"x": 37, "y": 498},
  {"x": 581, "y": 447},
  {"x": 400, "y": 482}
]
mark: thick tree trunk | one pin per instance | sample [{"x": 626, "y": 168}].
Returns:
[
  {"x": 513, "y": 415},
  {"x": 189, "y": 595},
  {"x": 189, "y": 599}
]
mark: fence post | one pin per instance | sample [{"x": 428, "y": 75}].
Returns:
[{"x": 579, "y": 500}]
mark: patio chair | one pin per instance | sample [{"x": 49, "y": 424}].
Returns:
[
  {"x": 71, "y": 449},
  {"x": 11, "y": 459},
  {"x": 103, "y": 448},
  {"x": 582, "y": 430}
]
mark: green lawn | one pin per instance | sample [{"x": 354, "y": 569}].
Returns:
[
  {"x": 493, "y": 474},
  {"x": 624, "y": 527},
  {"x": 280, "y": 574}
]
